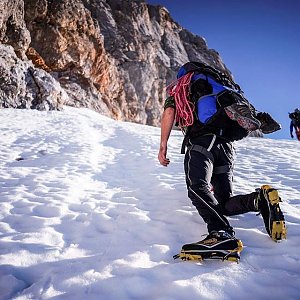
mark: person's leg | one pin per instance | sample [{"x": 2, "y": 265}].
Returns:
[
  {"x": 222, "y": 185},
  {"x": 199, "y": 169},
  {"x": 232, "y": 205},
  {"x": 223, "y": 189},
  {"x": 241, "y": 204}
]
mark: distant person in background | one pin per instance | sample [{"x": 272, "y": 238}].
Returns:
[{"x": 295, "y": 123}]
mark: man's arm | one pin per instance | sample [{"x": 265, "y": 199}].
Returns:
[{"x": 167, "y": 122}]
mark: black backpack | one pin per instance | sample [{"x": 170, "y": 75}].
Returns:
[
  {"x": 205, "y": 93},
  {"x": 295, "y": 117}
]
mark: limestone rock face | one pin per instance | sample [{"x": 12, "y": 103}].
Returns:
[
  {"x": 13, "y": 29},
  {"x": 23, "y": 86},
  {"x": 114, "y": 56}
]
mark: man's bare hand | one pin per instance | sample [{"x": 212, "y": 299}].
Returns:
[
  {"x": 167, "y": 122},
  {"x": 163, "y": 160}
]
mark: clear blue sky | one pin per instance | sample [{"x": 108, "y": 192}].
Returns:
[{"x": 258, "y": 40}]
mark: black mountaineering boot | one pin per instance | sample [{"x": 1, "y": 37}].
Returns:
[
  {"x": 268, "y": 124},
  {"x": 268, "y": 205},
  {"x": 217, "y": 245}
]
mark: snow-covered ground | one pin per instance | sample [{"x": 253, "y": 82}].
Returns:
[{"x": 86, "y": 212}]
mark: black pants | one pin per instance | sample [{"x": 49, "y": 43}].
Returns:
[{"x": 209, "y": 169}]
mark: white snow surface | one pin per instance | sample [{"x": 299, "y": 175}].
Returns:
[{"x": 87, "y": 212}]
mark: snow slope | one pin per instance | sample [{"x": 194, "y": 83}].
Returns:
[{"x": 86, "y": 212}]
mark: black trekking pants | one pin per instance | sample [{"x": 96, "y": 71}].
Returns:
[{"x": 209, "y": 170}]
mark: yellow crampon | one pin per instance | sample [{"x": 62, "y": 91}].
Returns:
[
  {"x": 278, "y": 231},
  {"x": 187, "y": 256},
  {"x": 278, "y": 228},
  {"x": 272, "y": 194},
  {"x": 194, "y": 255}
]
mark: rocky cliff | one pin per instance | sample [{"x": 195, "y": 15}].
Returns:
[{"x": 114, "y": 56}]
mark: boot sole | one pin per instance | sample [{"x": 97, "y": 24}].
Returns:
[
  {"x": 243, "y": 121},
  {"x": 277, "y": 225}
]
